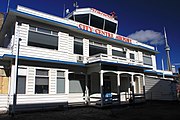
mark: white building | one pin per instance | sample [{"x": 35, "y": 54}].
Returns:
[{"x": 75, "y": 60}]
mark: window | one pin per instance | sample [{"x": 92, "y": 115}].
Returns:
[
  {"x": 97, "y": 22},
  {"x": 110, "y": 26},
  {"x": 76, "y": 83},
  {"x": 118, "y": 53},
  {"x": 40, "y": 37},
  {"x": 93, "y": 50},
  {"x": 44, "y": 30},
  {"x": 82, "y": 18},
  {"x": 60, "y": 82},
  {"x": 147, "y": 60},
  {"x": 78, "y": 46},
  {"x": 42, "y": 82},
  {"x": 32, "y": 28},
  {"x": 131, "y": 56},
  {"x": 72, "y": 17},
  {"x": 21, "y": 85}
]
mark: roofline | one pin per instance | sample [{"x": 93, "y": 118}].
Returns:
[
  {"x": 158, "y": 73},
  {"x": 8, "y": 56},
  {"x": 76, "y": 29}
]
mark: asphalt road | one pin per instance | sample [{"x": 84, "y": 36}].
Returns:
[{"x": 146, "y": 111}]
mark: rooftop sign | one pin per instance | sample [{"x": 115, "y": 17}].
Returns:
[{"x": 101, "y": 13}]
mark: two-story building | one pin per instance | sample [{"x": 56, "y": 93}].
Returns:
[{"x": 79, "y": 59}]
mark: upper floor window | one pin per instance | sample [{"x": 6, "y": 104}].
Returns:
[
  {"x": 40, "y": 37},
  {"x": 78, "y": 46},
  {"x": 131, "y": 56},
  {"x": 84, "y": 18},
  {"x": 118, "y": 53},
  {"x": 97, "y": 48},
  {"x": 147, "y": 60},
  {"x": 110, "y": 26},
  {"x": 97, "y": 22}
]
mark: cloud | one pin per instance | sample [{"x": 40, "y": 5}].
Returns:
[{"x": 148, "y": 36}]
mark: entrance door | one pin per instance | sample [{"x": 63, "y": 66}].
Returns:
[{"x": 107, "y": 86}]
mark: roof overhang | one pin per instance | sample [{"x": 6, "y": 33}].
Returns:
[{"x": 9, "y": 57}]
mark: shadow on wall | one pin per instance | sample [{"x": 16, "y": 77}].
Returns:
[
  {"x": 39, "y": 106},
  {"x": 160, "y": 89},
  {"x": 76, "y": 83}
]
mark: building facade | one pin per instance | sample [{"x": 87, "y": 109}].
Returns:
[{"x": 75, "y": 60}]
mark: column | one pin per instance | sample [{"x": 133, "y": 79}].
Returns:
[
  {"x": 67, "y": 82},
  {"x": 87, "y": 90},
  {"x": 101, "y": 88},
  {"x": 118, "y": 88},
  {"x": 132, "y": 84},
  {"x": 144, "y": 92}
]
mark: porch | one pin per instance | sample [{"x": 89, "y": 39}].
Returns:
[{"x": 113, "y": 84}]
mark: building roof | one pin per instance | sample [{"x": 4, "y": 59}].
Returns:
[{"x": 70, "y": 25}]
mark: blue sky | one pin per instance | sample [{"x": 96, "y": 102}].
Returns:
[{"x": 140, "y": 19}]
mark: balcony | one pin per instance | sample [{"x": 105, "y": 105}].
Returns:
[{"x": 114, "y": 59}]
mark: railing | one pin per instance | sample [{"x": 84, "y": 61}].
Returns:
[{"x": 115, "y": 59}]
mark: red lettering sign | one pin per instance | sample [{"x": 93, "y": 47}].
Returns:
[
  {"x": 85, "y": 27},
  {"x": 104, "y": 33}
]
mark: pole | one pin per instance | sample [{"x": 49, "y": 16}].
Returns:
[
  {"x": 163, "y": 66},
  {"x": 16, "y": 73},
  {"x": 64, "y": 10},
  {"x": 7, "y": 6}
]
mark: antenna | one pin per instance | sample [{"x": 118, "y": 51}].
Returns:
[
  {"x": 75, "y": 4},
  {"x": 64, "y": 8}
]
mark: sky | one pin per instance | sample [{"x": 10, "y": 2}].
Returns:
[{"x": 143, "y": 20}]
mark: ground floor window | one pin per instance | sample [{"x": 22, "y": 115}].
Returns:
[
  {"x": 60, "y": 82},
  {"x": 42, "y": 82},
  {"x": 76, "y": 83},
  {"x": 4, "y": 81},
  {"x": 21, "y": 85}
]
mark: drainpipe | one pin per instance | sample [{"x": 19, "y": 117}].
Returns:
[{"x": 101, "y": 88}]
